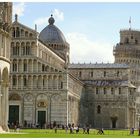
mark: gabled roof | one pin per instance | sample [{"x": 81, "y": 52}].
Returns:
[{"x": 24, "y": 26}]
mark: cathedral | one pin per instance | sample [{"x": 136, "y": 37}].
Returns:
[{"x": 46, "y": 88}]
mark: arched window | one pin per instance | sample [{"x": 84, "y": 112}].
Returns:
[
  {"x": 126, "y": 40},
  {"x": 112, "y": 90},
  {"x": 14, "y": 50},
  {"x": 23, "y": 50},
  {"x": 80, "y": 73},
  {"x": 25, "y": 66},
  {"x": 47, "y": 68},
  {"x": 97, "y": 90},
  {"x": 14, "y": 81},
  {"x": 136, "y": 41},
  {"x": 119, "y": 90},
  {"x": 17, "y": 50},
  {"x": 61, "y": 85},
  {"x": 105, "y": 91},
  {"x": 17, "y": 32},
  {"x": 117, "y": 73},
  {"x": 30, "y": 34},
  {"x": 104, "y": 73},
  {"x": 14, "y": 66},
  {"x": 99, "y": 109},
  {"x": 43, "y": 67},
  {"x": 91, "y": 74},
  {"x": 22, "y": 33},
  {"x": 27, "y": 50},
  {"x": 24, "y": 81},
  {"x": 13, "y": 33},
  {"x": 26, "y": 34}
]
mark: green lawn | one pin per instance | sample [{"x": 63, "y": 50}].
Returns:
[{"x": 46, "y": 133}]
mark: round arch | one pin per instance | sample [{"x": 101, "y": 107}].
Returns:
[{"x": 5, "y": 75}]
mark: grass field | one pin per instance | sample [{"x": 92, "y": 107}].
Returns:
[{"x": 46, "y": 133}]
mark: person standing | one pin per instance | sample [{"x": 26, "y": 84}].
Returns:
[
  {"x": 77, "y": 129},
  {"x": 84, "y": 130},
  {"x": 66, "y": 128},
  {"x": 55, "y": 129},
  {"x": 139, "y": 132},
  {"x": 87, "y": 129}
]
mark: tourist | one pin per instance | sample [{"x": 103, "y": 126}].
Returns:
[
  {"x": 87, "y": 129},
  {"x": 100, "y": 131},
  {"x": 66, "y": 128},
  {"x": 63, "y": 127},
  {"x": 55, "y": 129},
  {"x": 139, "y": 132},
  {"x": 70, "y": 130},
  {"x": 132, "y": 131},
  {"x": 77, "y": 129},
  {"x": 84, "y": 130},
  {"x": 15, "y": 128}
]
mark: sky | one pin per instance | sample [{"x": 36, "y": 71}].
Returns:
[{"x": 91, "y": 28}]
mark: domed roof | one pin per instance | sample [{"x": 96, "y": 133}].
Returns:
[{"x": 51, "y": 34}]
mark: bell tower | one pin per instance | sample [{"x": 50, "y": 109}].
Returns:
[{"x": 128, "y": 51}]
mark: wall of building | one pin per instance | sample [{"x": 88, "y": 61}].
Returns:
[
  {"x": 75, "y": 89},
  {"x": 5, "y": 40}
]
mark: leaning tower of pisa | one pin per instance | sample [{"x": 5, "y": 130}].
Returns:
[
  {"x": 5, "y": 40},
  {"x": 128, "y": 51}
]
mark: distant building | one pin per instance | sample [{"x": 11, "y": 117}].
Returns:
[
  {"x": 45, "y": 87},
  {"x": 5, "y": 40},
  {"x": 109, "y": 100}
]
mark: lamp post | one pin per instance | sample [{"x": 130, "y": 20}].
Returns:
[{"x": 50, "y": 107}]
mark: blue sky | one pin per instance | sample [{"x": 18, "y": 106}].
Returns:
[{"x": 91, "y": 29}]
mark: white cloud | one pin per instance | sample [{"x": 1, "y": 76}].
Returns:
[
  {"x": 84, "y": 50},
  {"x": 41, "y": 21},
  {"x": 57, "y": 14},
  {"x": 19, "y": 8}
]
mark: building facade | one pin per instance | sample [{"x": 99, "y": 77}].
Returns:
[
  {"x": 5, "y": 40},
  {"x": 39, "y": 90},
  {"x": 127, "y": 51},
  {"x": 109, "y": 99},
  {"x": 45, "y": 87}
]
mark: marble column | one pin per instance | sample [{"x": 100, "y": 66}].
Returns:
[{"x": 6, "y": 106}]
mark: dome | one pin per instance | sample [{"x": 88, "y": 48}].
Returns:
[{"x": 51, "y": 34}]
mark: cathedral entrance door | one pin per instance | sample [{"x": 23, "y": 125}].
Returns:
[
  {"x": 41, "y": 118},
  {"x": 13, "y": 113},
  {"x": 114, "y": 121}
]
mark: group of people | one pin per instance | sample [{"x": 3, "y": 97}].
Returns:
[
  {"x": 14, "y": 125},
  {"x": 100, "y": 131},
  {"x": 132, "y": 130},
  {"x": 86, "y": 130},
  {"x": 72, "y": 128}
]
